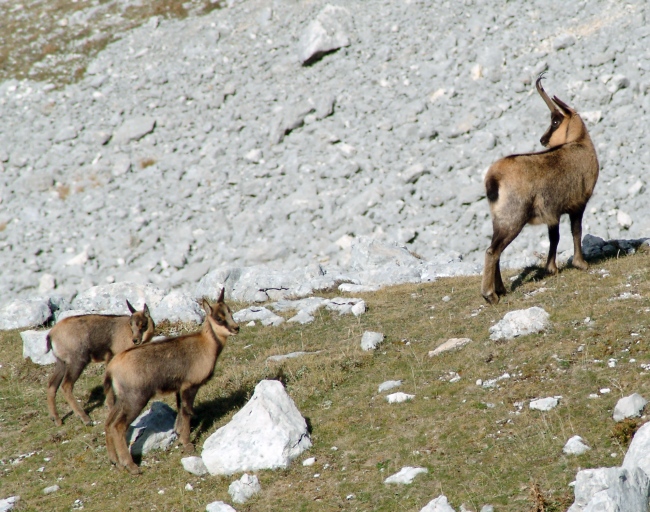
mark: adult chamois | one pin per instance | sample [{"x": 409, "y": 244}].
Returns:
[
  {"x": 179, "y": 365},
  {"x": 78, "y": 340},
  {"x": 537, "y": 188}
]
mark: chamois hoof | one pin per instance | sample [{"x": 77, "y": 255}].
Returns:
[
  {"x": 133, "y": 469},
  {"x": 551, "y": 271},
  {"x": 57, "y": 421},
  {"x": 580, "y": 265},
  {"x": 188, "y": 448},
  {"x": 492, "y": 298}
]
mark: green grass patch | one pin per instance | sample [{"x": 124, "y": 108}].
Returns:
[{"x": 480, "y": 445}]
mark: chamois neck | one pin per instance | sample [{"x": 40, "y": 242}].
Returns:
[{"x": 209, "y": 331}]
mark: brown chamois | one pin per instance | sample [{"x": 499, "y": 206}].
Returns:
[
  {"x": 78, "y": 340},
  {"x": 179, "y": 365},
  {"x": 537, "y": 188}
]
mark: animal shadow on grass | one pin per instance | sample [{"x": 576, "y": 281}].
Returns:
[{"x": 528, "y": 274}]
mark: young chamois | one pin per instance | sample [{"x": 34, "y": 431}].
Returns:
[
  {"x": 537, "y": 188},
  {"x": 78, "y": 340},
  {"x": 179, "y": 365}
]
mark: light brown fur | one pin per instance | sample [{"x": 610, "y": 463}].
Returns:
[
  {"x": 538, "y": 188},
  {"x": 78, "y": 340},
  {"x": 179, "y": 365}
]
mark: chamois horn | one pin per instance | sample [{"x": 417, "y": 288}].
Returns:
[{"x": 542, "y": 93}]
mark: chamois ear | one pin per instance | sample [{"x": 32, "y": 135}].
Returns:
[
  {"x": 145, "y": 310},
  {"x": 221, "y": 296},
  {"x": 563, "y": 106},
  {"x": 131, "y": 308},
  {"x": 206, "y": 307}
]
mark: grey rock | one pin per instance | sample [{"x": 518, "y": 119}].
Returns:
[
  {"x": 194, "y": 465},
  {"x": 133, "y": 129},
  {"x": 330, "y": 31},
  {"x": 575, "y": 446},
  {"x": 178, "y": 306},
  {"x": 371, "y": 340},
  {"x": 219, "y": 506},
  {"x": 267, "y": 433},
  {"x": 21, "y": 313},
  {"x": 291, "y": 355},
  {"x": 259, "y": 314},
  {"x": 564, "y": 41},
  {"x": 51, "y": 489},
  {"x": 399, "y": 397},
  {"x": 389, "y": 384},
  {"x": 243, "y": 489},
  {"x": 629, "y": 407},
  {"x": 405, "y": 475},
  {"x": 9, "y": 503},
  {"x": 35, "y": 347},
  {"x": 450, "y": 344},
  {"x": 439, "y": 504},
  {"x": 520, "y": 323},
  {"x": 111, "y": 298},
  {"x": 610, "y": 489},
  {"x": 544, "y": 404},
  {"x": 153, "y": 429}
]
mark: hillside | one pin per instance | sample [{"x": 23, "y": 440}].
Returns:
[
  {"x": 481, "y": 445},
  {"x": 196, "y": 139}
]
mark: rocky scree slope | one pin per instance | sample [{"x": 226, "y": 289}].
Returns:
[{"x": 195, "y": 144}]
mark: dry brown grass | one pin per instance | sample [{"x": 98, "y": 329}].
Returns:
[{"x": 480, "y": 445}]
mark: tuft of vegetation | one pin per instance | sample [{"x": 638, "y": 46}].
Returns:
[
  {"x": 623, "y": 431},
  {"x": 480, "y": 445}
]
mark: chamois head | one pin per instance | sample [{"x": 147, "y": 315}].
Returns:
[
  {"x": 142, "y": 325},
  {"x": 566, "y": 124},
  {"x": 219, "y": 316}
]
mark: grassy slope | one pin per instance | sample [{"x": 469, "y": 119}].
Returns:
[{"x": 476, "y": 448}]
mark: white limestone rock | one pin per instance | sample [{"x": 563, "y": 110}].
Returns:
[
  {"x": 194, "y": 465},
  {"x": 111, "y": 298},
  {"x": 544, "y": 404},
  {"x": 178, "y": 306},
  {"x": 345, "y": 306},
  {"x": 520, "y": 323},
  {"x": 450, "y": 344},
  {"x": 328, "y": 32},
  {"x": 35, "y": 347},
  {"x": 575, "y": 446},
  {"x": 291, "y": 355},
  {"x": 133, "y": 129},
  {"x": 638, "y": 453},
  {"x": 439, "y": 504},
  {"x": 389, "y": 384},
  {"x": 24, "y": 313},
  {"x": 371, "y": 340},
  {"x": 219, "y": 506},
  {"x": 357, "y": 288},
  {"x": 9, "y": 503},
  {"x": 259, "y": 314},
  {"x": 301, "y": 318},
  {"x": 243, "y": 489},
  {"x": 152, "y": 430},
  {"x": 611, "y": 490},
  {"x": 51, "y": 489},
  {"x": 629, "y": 407},
  {"x": 405, "y": 475},
  {"x": 399, "y": 397},
  {"x": 267, "y": 433}
]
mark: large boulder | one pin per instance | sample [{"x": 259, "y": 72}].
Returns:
[
  {"x": 629, "y": 407},
  {"x": 267, "y": 433},
  {"x": 328, "y": 32},
  {"x": 177, "y": 306},
  {"x": 152, "y": 430},
  {"x": 24, "y": 313},
  {"x": 111, "y": 298},
  {"x": 35, "y": 347},
  {"x": 611, "y": 489}
]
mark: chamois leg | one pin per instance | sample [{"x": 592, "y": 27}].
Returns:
[
  {"x": 71, "y": 376},
  {"x": 52, "y": 388},
  {"x": 127, "y": 413},
  {"x": 186, "y": 411},
  {"x": 499, "y": 287},
  {"x": 177, "y": 423},
  {"x": 501, "y": 238},
  {"x": 576, "y": 231},
  {"x": 110, "y": 436},
  {"x": 554, "y": 239}
]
